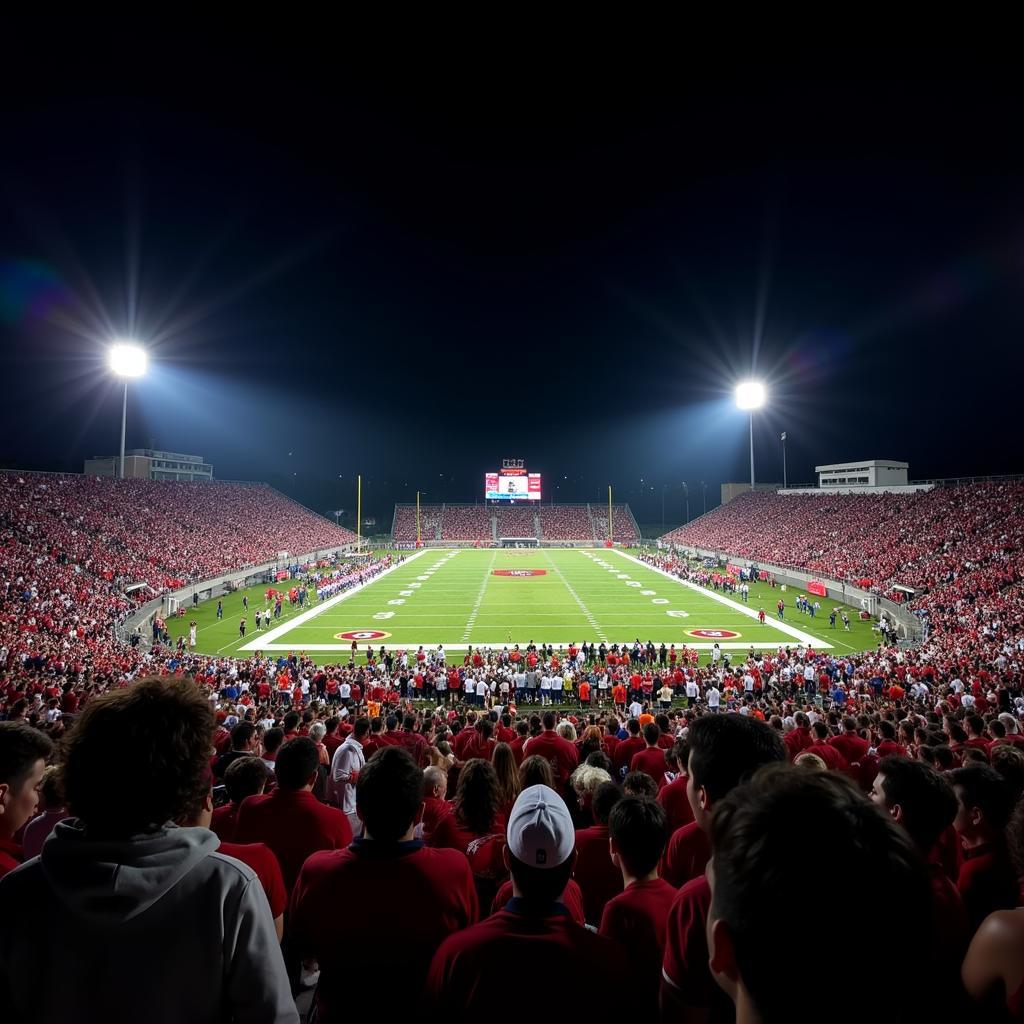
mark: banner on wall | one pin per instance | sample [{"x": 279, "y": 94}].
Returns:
[{"x": 814, "y": 587}]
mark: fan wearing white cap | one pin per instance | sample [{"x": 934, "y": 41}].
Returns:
[{"x": 471, "y": 967}]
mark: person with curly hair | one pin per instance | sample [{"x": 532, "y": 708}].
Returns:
[{"x": 125, "y": 909}]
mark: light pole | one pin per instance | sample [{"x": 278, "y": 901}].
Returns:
[
  {"x": 126, "y": 359},
  {"x": 750, "y": 395},
  {"x": 784, "y": 482}
]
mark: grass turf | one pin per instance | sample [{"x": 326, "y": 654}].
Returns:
[{"x": 452, "y": 596}]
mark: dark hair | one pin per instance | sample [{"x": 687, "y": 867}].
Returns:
[
  {"x": 599, "y": 759},
  {"x": 680, "y": 754},
  {"x": 272, "y": 739},
  {"x": 639, "y": 784},
  {"x": 944, "y": 756},
  {"x": 548, "y": 720},
  {"x": 541, "y": 886},
  {"x": 606, "y": 796},
  {"x": 245, "y": 776},
  {"x": 536, "y": 771},
  {"x": 763, "y": 836},
  {"x": 148, "y": 745},
  {"x": 633, "y": 727},
  {"x": 1009, "y": 762},
  {"x": 362, "y": 728},
  {"x": 726, "y": 750},
  {"x": 20, "y": 747},
  {"x": 296, "y": 763},
  {"x": 651, "y": 733},
  {"x": 926, "y": 799},
  {"x": 983, "y": 787},
  {"x": 389, "y": 793},
  {"x": 639, "y": 828},
  {"x": 241, "y": 735},
  {"x": 476, "y": 796},
  {"x": 291, "y": 721}
]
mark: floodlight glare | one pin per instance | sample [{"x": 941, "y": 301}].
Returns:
[
  {"x": 128, "y": 359},
  {"x": 750, "y": 394}
]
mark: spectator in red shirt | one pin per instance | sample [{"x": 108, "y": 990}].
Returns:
[
  {"x": 375, "y": 879},
  {"x": 725, "y": 750},
  {"x": 993, "y": 970},
  {"x": 291, "y": 821},
  {"x": 651, "y": 759},
  {"x": 469, "y": 972},
  {"x": 762, "y": 834},
  {"x": 923, "y": 803},
  {"x": 435, "y": 807},
  {"x": 831, "y": 755},
  {"x": 637, "y": 917},
  {"x": 476, "y": 827},
  {"x": 849, "y": 743},
  {"x": 799, "y": 739},
  {"x": 23, "y": 754},
  {"x": 673, "y": 797},
  {"x": 599, "y": 879},
  {"x": 559, "y": 752},
  {"x": 625, "y": 749},
  {"x": 245, "y": 777},
  {"x": 987, "y": 881}
]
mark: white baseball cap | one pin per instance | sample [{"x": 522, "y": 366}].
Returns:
[{"x": 540, "y": 832}]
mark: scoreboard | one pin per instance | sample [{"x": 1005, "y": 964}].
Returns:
[{"x": 512, "y": 484}]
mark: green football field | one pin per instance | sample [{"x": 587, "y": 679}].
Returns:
[{"x": 495, "y": 598}]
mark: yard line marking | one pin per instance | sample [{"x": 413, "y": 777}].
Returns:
[
  {"x": 479, "y": 599},
  {"x": 594, "y": 624}
]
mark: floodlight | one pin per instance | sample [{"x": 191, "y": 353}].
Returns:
[
  {"x": 750, "y": 394},
  {"x": 127, "y": 359}
]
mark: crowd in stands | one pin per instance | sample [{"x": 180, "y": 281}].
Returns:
[
  {"x": 566, "y": 522},
  {"x": 514, "y": 520},
  {"x": 920, "y": 539},
  {"x": 467, "y": 523},
  {"x": 624, "y": 528},
  {"x": 616, "y": 849},
  {"x": 679, "y": 831}
]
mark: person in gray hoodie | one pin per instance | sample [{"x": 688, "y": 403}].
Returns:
[{"x": 125, "y": 916}]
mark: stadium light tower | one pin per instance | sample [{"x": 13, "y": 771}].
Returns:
[
  {"x": 750, "y": 395},
  {"x": 126, "y": 359}
]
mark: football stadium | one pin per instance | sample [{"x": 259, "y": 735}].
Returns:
[{"x": 526, "y": 556}]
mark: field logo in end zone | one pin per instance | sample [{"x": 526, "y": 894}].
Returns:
[
  {"x": 362, "y": 634},
  {"x": 713, "y": 634}
]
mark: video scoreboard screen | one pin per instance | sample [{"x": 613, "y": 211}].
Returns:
[{"x": 512, "y": 485}]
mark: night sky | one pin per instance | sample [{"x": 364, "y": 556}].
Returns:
[{"x": 418, "y": 269}]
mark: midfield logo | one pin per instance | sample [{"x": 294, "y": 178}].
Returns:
[{"x": 519, "y": 572}]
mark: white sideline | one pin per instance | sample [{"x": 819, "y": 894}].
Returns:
[
  {"x": 782, "y": 627},
  {"x": 259, "y": 643}
]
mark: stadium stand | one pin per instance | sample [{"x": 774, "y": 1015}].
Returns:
[
  {"x": 515, "y": 521},
  {"x": 403, "y": 530},
  {"x": 919, "y": 539},
  {"x": 565, "y": 522},
  {"x": 467, "y": 523},
  {"x": 624, "y": 528}
]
